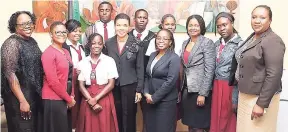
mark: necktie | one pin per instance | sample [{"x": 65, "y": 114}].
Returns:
[
  {"x": 105, "y": 32},
  {"x": 139, "y": 36},
  {"x": 220, "y": 51},
  {"x": 78, "y": 52}
]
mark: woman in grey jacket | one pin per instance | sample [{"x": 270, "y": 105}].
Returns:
[{"x": 198, "y": 59}]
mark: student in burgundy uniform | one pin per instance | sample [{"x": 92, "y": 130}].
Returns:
[
  {"x": 56, "y": 94},
  {"x": 129, "y": 58},
  {"x": 224, "y": 97},
  {"x": 97, "y": 77},
  {"x": 77, "y": 53}
]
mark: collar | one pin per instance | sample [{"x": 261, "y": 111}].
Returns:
[
  {"x": 235, "y": 39},
  {"x": 110, "y": 23},
  {"x": 100, "y": 57},
  {"x": 69, "y": 43},
  {"x": 144, "y": 33}
]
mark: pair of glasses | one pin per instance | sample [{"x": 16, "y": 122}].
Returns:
[
  {"x": 26, "y": 24},
  {"x": 164, "y": 39},
  {"x": 61, "y": 33}
]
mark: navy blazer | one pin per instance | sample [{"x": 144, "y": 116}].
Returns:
[{"x": 161, "y": 83}]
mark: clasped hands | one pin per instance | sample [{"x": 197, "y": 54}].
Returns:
[{"x": 93, "y": 103}]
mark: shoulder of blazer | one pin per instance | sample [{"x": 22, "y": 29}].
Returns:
[
  {"x": 272, "y": 36},
  {"x": 65, "y": 46},
  {"x": 110, "y": 41}
]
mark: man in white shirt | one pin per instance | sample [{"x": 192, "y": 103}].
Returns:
[{"x": 104, "y": 26}]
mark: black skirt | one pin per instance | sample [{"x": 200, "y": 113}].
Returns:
[
  {"x": 193, "y": 115},
  {"x": 161, "y": 117},
  {"x": 56, "y": 117},
  {"x": 13, "y": 115}
]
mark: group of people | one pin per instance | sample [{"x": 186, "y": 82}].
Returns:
[{"x": 227, "y": 86}]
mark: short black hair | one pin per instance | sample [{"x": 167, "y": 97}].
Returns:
[
  {"x": 163, "y": 19},
  {"x": 171, "y": 48},
  {"x": 200, "y": 21},
  {"x": 122, "y": 16},
  {"x": 90, "y": 39},
  {"x": 12, "y": 22},
  {"x": 72, "y": 24},
  {"x": 54, "y": 24},
  {"x": 136, "y": 12},
  {"x": 267, "y": 8},
  {"x": 105, "y": 2}
]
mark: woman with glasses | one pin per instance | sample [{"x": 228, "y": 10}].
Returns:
[
  {"x": 57, "y": 65},
  {"x": 22, "y": 75},
  {"x": 160, "y": 85},
  {"x": 77, "y": 53},
  {"x": 129, "y": 58},
  {"x": 97, "y": 77},
  {"x": 198, "y": 59}
]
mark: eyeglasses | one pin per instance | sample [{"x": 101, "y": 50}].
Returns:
[
  {"x": 61, "y": 33},
  {"x": 164, "y": 39},
  {"x": 25, "y": 24}
]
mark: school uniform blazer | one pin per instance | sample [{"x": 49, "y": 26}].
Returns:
[
  {"x": 130, "y": 63},
  {"x": 199, "y": 71},
  {"x": 161, "y": 82},
  {"x": 261, "y": 67}
]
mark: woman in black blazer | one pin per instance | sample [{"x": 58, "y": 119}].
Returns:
[
  {"x": 129, "y": 59},
  {"x": 160, "y": 85}
]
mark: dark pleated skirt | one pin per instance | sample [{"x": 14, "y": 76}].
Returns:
[
  {"x": 194, "y": 115},
  {"x": 56, "y": 118}
]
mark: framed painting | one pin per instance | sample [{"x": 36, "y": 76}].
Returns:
[
  {"x": 181, "y": 9},
  {"x": 48, "y": 12}
]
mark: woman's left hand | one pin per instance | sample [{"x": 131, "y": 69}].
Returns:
[
  {"x": 257, "y": 112},
  {"x": 200, "y": 100},
  {"x": 149, "y": 98}
]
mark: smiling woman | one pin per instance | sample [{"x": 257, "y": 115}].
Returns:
[
  {"x": 56, "y": 94},
  {"x": 129, "y": 58},
  {"x": 22, "y": 75}
]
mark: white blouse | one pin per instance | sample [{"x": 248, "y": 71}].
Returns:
[{"x": 105, "y": 70}]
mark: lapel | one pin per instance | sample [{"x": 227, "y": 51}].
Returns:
[
  {"x": 195, "y": 48},
  {"x": 185, "y": 43},
  {"x": 67, "y": 47},
  {"x": 152, "y": 57},
  {"x": 114, "y": 45},
  {"x": 163, "y": 59},
  {"x": 257, "y": 41},
  {"x": 127, "y": 45}
]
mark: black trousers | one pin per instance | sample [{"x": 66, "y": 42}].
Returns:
[{"x": 126, "y": 107}]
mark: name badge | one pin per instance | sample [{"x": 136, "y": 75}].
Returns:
[{"x": 93, "y": 75}]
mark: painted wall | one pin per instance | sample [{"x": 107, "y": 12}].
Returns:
[{"x": 244, "y": 28}]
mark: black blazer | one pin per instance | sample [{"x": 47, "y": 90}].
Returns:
[
  {"x": 65, "y": 46},
  {"x": 161, "y": 83},
  {"x": 130, "y": 63}
]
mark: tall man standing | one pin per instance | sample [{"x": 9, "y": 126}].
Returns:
[{"x": 104, "y": 26}]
